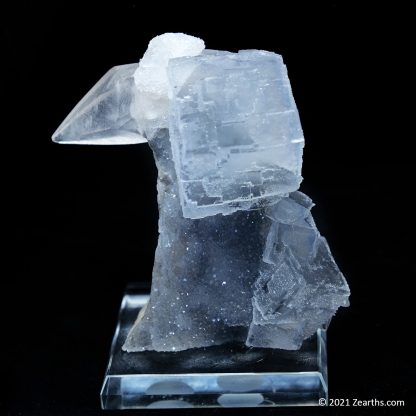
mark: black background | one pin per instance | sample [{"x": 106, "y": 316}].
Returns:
[{"x": 84, "y": 219}]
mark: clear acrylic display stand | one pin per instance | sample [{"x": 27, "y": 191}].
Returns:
[{"x": 219, "y": 376}]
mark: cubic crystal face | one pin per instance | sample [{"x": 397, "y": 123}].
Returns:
[
  {"x": 235, "y": 131},
  {"x": 239, "y": 257},
  {"x": 300, "y": 286}
]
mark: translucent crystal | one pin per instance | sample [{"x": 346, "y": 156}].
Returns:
[
  {"x": 300, "y": 286},
  {"x": 203, "y": 273},
  {"x": 235, "y": 131},
  {"x": 239, "y": 257},
  {"x": 103, "y": 116},
  {"x": 264, "y": 277}
]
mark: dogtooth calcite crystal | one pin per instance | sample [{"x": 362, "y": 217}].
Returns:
[{"x": 239, "y": 257}]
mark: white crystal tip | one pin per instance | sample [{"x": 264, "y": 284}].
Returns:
[
  {"x": 113, "y": 140},
  {"x": 151, "y": 75}
]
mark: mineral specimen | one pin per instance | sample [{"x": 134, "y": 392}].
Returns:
[{"x": 239, "y": 257}]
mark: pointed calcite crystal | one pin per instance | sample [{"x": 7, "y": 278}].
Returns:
[
  {"x": 103, "y": 115},
  {"x": 239, "y": 257}
]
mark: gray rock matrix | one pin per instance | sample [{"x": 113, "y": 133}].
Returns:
[{"x": 239, "y": 258}]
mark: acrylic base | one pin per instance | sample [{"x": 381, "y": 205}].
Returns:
[{"x": 220, "y": 376}]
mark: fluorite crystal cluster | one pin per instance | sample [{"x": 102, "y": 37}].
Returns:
[{"x": 239, "y": 257}]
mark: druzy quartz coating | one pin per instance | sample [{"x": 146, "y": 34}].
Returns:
[{"x": 239, "y": 257}]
